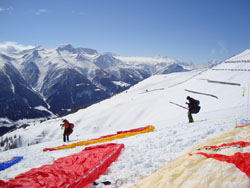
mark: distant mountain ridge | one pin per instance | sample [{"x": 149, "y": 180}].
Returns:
[{"x": 42, "y": 82}]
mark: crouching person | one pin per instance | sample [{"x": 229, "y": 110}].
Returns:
[{"x": 193, "y": 108}]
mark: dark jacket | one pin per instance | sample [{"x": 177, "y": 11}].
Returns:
[
  {"x": 192, "y": 105},
  {"x": 68, "y": 127}
]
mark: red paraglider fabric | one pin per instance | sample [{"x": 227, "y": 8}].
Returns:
[
  {"x": 240, "y": 160},
  {"x": 239, "y": 144},
  {"x": 76, "y": 171}
]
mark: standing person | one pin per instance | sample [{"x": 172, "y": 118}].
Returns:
[
  {"x": 68, "y": 129},
  {"x": 193, "y": 108}
]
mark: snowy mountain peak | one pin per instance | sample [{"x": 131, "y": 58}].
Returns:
[
  {"x": 66, "y": 47},
  {"x": 36, "y": 54},
  {"x": 70, "y": 48},
  {"x": 88, "y": 51}
]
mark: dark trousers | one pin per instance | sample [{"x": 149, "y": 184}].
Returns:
[
  {"x": 190, "y": 117},
  {"x": 65, "y": 137},
  {"x": 192, "y": 111},
  {"x": 66, "y": 134}
]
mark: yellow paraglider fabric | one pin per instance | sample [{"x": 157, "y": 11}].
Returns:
[
  {"x": 119, "y": 135},
  {"x": 222, "y": 161}
]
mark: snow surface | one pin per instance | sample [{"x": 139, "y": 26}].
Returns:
[
  {"x": 146, "y": 103},
  {"x": 242, "y": 56}
]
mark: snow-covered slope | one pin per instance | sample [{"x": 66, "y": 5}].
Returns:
[{"x": 224, "y": 100}]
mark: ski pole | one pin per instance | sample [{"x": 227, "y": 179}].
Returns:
[{"x": 178, "y": 105}]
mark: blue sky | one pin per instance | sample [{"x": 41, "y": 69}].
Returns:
[{"x": 195, "y": 31}]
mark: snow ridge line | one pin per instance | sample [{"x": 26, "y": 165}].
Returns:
[
  {"x": 188, "y": 79},
  {"x": 222, "y": 82},
  {"x": 201, "y": 93},
  {"x": 12, "y": 85},
  {"x": 104, "y": 162},
  {"x": 231, "y": 69}
]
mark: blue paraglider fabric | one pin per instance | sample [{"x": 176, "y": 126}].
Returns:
[{"x": 10, "y": 162}]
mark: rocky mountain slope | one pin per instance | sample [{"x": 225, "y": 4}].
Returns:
[{"x": 42, "y": 82}]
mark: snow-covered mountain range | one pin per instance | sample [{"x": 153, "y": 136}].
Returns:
[
  {"x": 223, "y": 92},
  {"x": 42, "y": 82}
]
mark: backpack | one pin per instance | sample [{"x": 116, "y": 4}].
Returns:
[
  {"x": 197, "y": 102},
  {"x": 71, "y": 125}
]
